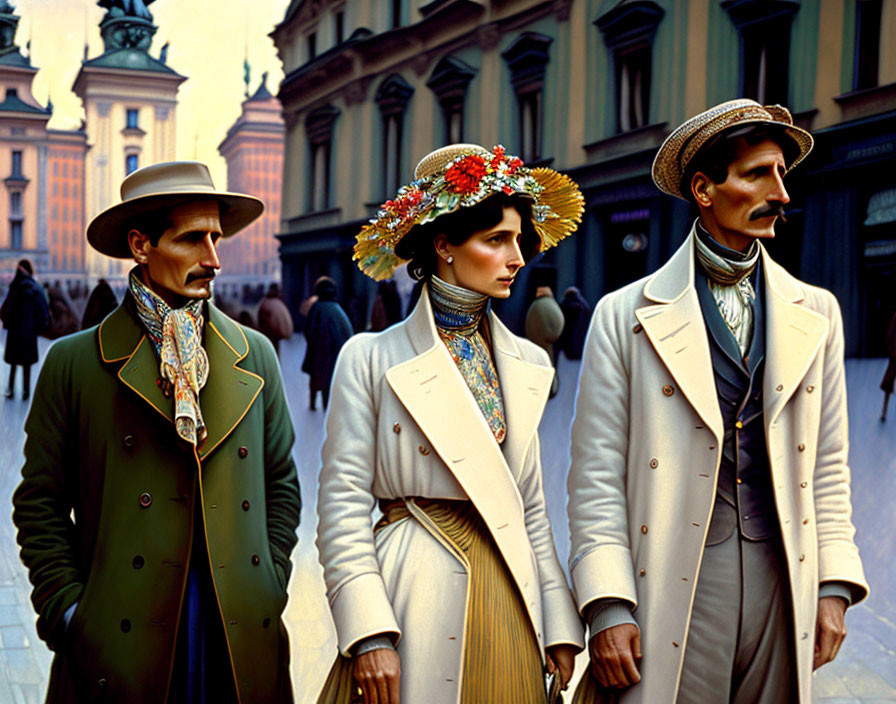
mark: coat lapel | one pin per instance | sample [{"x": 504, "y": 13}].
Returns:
[
  {"x": 794, "y": 335},
  {"x": 677, "y": 332}
]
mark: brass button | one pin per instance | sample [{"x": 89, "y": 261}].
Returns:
[
  {"x": 739, "y": 480},
  {"x": 668, "y": 390},
  {"x": 246, "y": 505},
  {"x": 138, "y": 562},
  {"x": 243, "y": 452},
  {"x": 739, "y": 425},
  {"x": 779, "y": 387},
  {"x": 256, "y": 560},
  {"x": 129, "y": 441},
  {"x": 644, "y": 529},
  {"x": 654, "y": 463},
  {"x": 805, "y": 521},
  {"x": 674, "y": 643},
  {"x": 145, "y": 499},
  {"x": 801, "y": 447},
  {"x": 810, "y": 389},
  {"x": 803, "y": 485},
  {"x": 642, "y": 572},
  {"x": 423, "y": 450},
  {"x": 803, "y": 558},
  {"x": 396, "y": 428}
]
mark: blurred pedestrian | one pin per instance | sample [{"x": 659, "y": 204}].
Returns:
[
  {"x": 63, "y": 320},
  {"x": 326, "y": 331},
  {"x": 102, "y": 301},
  {"x": 25, "y": 315},
  {"x": 890, "y": 374},
  {"x": 386, "y": 310},
  {"x": 576, "y": 317},
  {"x": 544, "y": 325},
  {"x": 274, "y": 320}
]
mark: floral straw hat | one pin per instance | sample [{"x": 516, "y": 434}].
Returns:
[
  {"x": 461, "y": 175},
  {"x": 680, "y": 148}
]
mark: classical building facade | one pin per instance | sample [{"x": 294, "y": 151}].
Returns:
[
  {"x": 592, "y": 87},
  {"x": 253, "y": 150},
  {"x": 41, "y": 211},
  {"x": 130, "y": 101}
]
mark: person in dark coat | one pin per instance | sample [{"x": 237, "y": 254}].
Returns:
[
  {"x": 326, "y": 331},
  {"x": 890, "y": 375},
  {"x": 274, "y": 320},
  {"x": 63, "y": 320},
  {"x": 102, "y": 301},
  {"x": 386, "y": 310},
  {"x": 25, "y": 315},
  {"x": 576, "y": 317}
]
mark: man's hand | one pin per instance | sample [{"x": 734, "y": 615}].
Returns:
[
  {"x": 615, "y": 654},
  {"x": 830, "y": 629},
  {"x": 561, "y": 658},
  {"x": 378, "y": 673}
]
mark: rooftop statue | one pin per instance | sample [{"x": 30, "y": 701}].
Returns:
[
  {"x": 129, "y": 8},
  {"x": 127, "y": 24}
]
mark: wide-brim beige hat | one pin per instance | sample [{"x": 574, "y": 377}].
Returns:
[
  {"x": 680, "y": 148},
  {"x": 163, "y": 186}
]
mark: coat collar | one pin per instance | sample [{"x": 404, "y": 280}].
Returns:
[
  {"x": 226, "y": 397},
  {"x": 675, "y": 327}
]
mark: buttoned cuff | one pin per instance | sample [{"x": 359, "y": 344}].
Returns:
[
  {"x": 374, "y": 643},
  {"x": 609, "y": 613},
  {"x": 840, "y": 589}
]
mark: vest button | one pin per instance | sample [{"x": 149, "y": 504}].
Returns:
[
  {"x": 396, "y": 428},
  {"x": 668, "y": 390},
  {"x": 145, "y": 499}
]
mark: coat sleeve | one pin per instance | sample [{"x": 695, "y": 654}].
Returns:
[
  {"x": 42, "y": 503},
  {"x": 283, "y": 501},
  {"x": 838, "y": 556},
  {"x": 600, "y": 557},
  {"x": 561, "y": 620},
  {"x": 355, "y": 589}
]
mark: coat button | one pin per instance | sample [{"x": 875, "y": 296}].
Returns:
[
  {"x": 266, "y": 623},
  {"x": 801, "y": 447},
  {"x": 803, "y": 485},
  {"x": 779, "y": 387},
  {"x": 802, "y": 558},
  {"x": 739, "y": 480},
  {"x": 668, "y": 390},
  {"x": 642, "y": 572},
  {"x": 810, "y": 389},
  {"x": 145, "y": 499},
  {"x": 423, "y": 450},
  {"x": 101, "y": 683},
  {"x": 138, "y": 562},
  {"x": 243, "y": 452},
  {"x": 129, "y": 441},
  {"x": 125, "y": 625},
  {"x": 805, "y": 521},
  {"x": 256, "y": 560},
  {"x": 246, "y": 505},
  {"x": 739, "y": 424},
  {"x": 644, "y": 529},
  {"x": 654, "y": 463},
  {"x": 396, "y": 428}
]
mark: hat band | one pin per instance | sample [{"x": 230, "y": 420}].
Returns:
[{"x": 720, "y": 124}]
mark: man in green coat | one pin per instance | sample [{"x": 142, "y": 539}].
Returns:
[{"x": 159, "y": 500}]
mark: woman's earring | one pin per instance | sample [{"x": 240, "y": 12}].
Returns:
[{"x": 450, "y": 259}]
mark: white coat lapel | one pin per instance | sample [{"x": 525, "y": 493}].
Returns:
[
  {"x": 677, "y": 332},
  {"x": 794, "y": 334}
]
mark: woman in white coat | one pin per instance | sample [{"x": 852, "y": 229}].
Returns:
[{"x": 455, "y": 596}]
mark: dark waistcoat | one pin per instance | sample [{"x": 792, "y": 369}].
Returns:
[{"x": 744, "y": 496}]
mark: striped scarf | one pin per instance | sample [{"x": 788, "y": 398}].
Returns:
[
  {"x": 729, "y": 281},
  {"x": 176, "y": 335}
]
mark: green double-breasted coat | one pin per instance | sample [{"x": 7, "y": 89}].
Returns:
[{"x": 105, "y": 511}]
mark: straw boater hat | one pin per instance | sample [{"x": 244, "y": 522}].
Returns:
[
  {"x": 461, "y": 175},
  {"x": 680, "y": 147},
  {"x": 154, "y": 188}
]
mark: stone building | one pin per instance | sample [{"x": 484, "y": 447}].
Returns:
[
  {"x": 253, "y": 150},
  {"x": 592, "y": 87}
]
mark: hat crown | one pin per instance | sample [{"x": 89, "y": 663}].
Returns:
[
  {"x": 436, "y": 161},
  {"x": 169, "y": 177}
]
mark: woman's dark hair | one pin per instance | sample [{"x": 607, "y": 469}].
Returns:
[{"x": 459, "y": 226}]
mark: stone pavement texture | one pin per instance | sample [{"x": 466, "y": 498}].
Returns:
[{"x": 864, "y": 672}]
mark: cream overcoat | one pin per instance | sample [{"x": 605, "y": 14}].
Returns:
[
  {"x": 403, "y": 423},
  {"x": 647, "y": 444}
]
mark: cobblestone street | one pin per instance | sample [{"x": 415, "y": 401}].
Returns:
[{"x": 864, "y": 672}]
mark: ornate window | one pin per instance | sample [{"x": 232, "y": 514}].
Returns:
[
  {"x": 449, "y": 81},
  {"x": 16, "y": 164},
  {"x": 527, "y": 58},
  {"x": 867, "y": 44},
  {"x": 131, "y": 163},
  {"x": 764, "y": 28},
  {"x": 629, "y": 30},
  {"x": 393, "y": 97},
  {"x": 319, "y": 128},
  {"x": 132, "y": 119}
]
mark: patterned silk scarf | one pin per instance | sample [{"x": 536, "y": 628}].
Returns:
[
  {"x": 729, "y": 280},
  {"x": 176, "y": 335},
  {"x": 458, "y": 313}
]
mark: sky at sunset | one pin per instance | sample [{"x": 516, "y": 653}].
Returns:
[{"x": 208, "y": 42}]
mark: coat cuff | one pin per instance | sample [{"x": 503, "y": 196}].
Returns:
[
  {"x": 562, "y": 625},
  {"x": 841, "y": 563},
  {"x": 361, "y": 608},
  {"x": 604, "y": 572}
]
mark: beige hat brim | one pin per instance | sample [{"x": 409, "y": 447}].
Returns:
[{"x": 107, "y": 232}]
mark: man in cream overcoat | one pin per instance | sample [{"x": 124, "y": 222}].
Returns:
[{"x": 712, "y": 544}]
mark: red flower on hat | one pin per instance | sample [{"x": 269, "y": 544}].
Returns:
[
  {"x": 463, "y": 177},
  {"x": 498, "y": 157},
  {"x": 513, "y": 164}
]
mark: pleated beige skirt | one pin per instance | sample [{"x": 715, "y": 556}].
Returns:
[{"x": 502, "y": 664}]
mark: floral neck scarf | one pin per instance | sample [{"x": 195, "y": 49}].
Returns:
[
  {"x": 176, "y": 335},
  {"x": 729, "y": 273},
  {"x": 457, "y": 313}
]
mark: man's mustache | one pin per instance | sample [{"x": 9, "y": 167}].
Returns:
[
  {"x": 204, "y": 274},
  {"x": 767, "y": 210}
]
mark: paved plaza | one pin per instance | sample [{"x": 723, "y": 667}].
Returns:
[{"x": 864, "y": 672}]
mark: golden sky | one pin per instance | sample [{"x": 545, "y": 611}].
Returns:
[{"x": 208, "y": 39}]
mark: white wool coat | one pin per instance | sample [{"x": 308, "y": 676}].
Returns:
[
  {"x": 403, "y": 423},
  {"x": 647, "y": 445}
]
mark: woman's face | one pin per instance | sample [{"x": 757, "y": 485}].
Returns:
[{"x": 488, "y": 261}]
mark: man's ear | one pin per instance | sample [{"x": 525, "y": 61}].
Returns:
[
  {"x": 703, "y": 189},
  {"x": 139, "y": 244}
]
